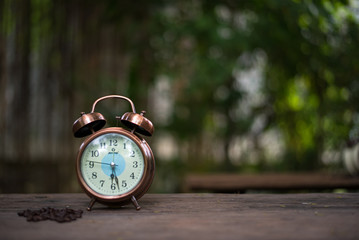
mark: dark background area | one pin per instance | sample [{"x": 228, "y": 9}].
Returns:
[{"x": 230, "y": 86}]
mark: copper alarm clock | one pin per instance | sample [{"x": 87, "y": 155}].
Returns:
[{"x": 115, "y": 165}]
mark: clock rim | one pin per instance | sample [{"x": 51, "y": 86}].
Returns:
[{"x": 143, "y": 185}]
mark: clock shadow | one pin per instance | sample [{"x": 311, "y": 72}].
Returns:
[{"x": 105, "y": 208}]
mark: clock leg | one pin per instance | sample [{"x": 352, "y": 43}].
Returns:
[
  {"x": 134, "y": 201},
  {"x": 92, "y": 202}
]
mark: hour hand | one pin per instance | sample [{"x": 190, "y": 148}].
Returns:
[
  {"x": 116, "y": 179},
  {"x": 112, "y": 176}
]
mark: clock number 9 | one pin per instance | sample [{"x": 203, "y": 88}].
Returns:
[{"x": 91, "y": 164}]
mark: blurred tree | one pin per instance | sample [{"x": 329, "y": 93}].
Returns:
[
  {"x": 310, "y": 70},
  {"x": 15, "y": 80},
  {"x": 234, "y": 72}
]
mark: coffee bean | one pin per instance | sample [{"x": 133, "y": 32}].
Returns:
[{"x": 58, "y": 215}]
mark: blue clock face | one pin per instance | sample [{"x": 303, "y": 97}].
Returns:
[
  {"x": 116, "y": 162},
  {"x": 112, "y": 164}
]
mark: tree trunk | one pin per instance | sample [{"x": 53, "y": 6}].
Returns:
[{"x": 17, "y": 84}]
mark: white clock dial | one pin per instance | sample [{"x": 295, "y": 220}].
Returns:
[{"x": 112, "y": 164}]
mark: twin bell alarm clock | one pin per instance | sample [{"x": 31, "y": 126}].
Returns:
[{"x": 115, "y": 166}]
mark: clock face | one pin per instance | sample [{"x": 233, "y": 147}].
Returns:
[{"x": 112, "y": 164}]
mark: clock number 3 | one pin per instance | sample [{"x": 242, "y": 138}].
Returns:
[{"x": 135, "y": 164}]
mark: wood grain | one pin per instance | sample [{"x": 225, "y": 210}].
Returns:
[
  {"x": 190, "y": 216},
  {"x": 268, "y": 181}
]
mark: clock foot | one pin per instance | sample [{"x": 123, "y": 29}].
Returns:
[
  {"x": 92, "y": 202},
  {"x": 134, "y": 201}
]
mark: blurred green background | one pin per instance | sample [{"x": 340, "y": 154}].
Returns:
[{"x": 231, "y": 86}]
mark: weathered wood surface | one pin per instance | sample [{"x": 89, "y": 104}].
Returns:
[
  {"x": 283, "y": 181},
  {"x": 190, "y": 216}
]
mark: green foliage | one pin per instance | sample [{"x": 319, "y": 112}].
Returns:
[
  {"x": 310, "y": 72},
  {"x": 237, "y": 70},
  {"x": 305, "y": 81}
]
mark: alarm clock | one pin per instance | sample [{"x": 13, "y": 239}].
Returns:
[{"x": 115, "y": 166}]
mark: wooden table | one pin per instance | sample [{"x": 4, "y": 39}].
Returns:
[
  {"x": 231, "y": 183},
  {"x": 190, "y": 216}
]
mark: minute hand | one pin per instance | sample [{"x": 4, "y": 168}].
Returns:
[{"x": 100, "y": 162}]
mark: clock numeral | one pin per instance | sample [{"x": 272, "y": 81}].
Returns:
[
  {"x": 135, "y": 164},
  {"x": 124, "y": 184},
  {"x": 113, "y": 142},
  {"x": 132, "y": 175},
  {"x": 132, "y": 154},
  {"x": 94, "y": 175},
  {"x": 124, "y": 145},
  {"x": 113, "y": 186},
  {"x": 95, "y": 153},
  {"x": 102, "y": 182},
  {"x": 103, "y": 145},
  {"x": 91, "y": 164}
]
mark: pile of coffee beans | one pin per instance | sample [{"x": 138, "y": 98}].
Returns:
[{"x": 58, "y": 215}]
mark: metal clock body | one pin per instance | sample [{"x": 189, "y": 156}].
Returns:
[{"x": 114, "y": 166}]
